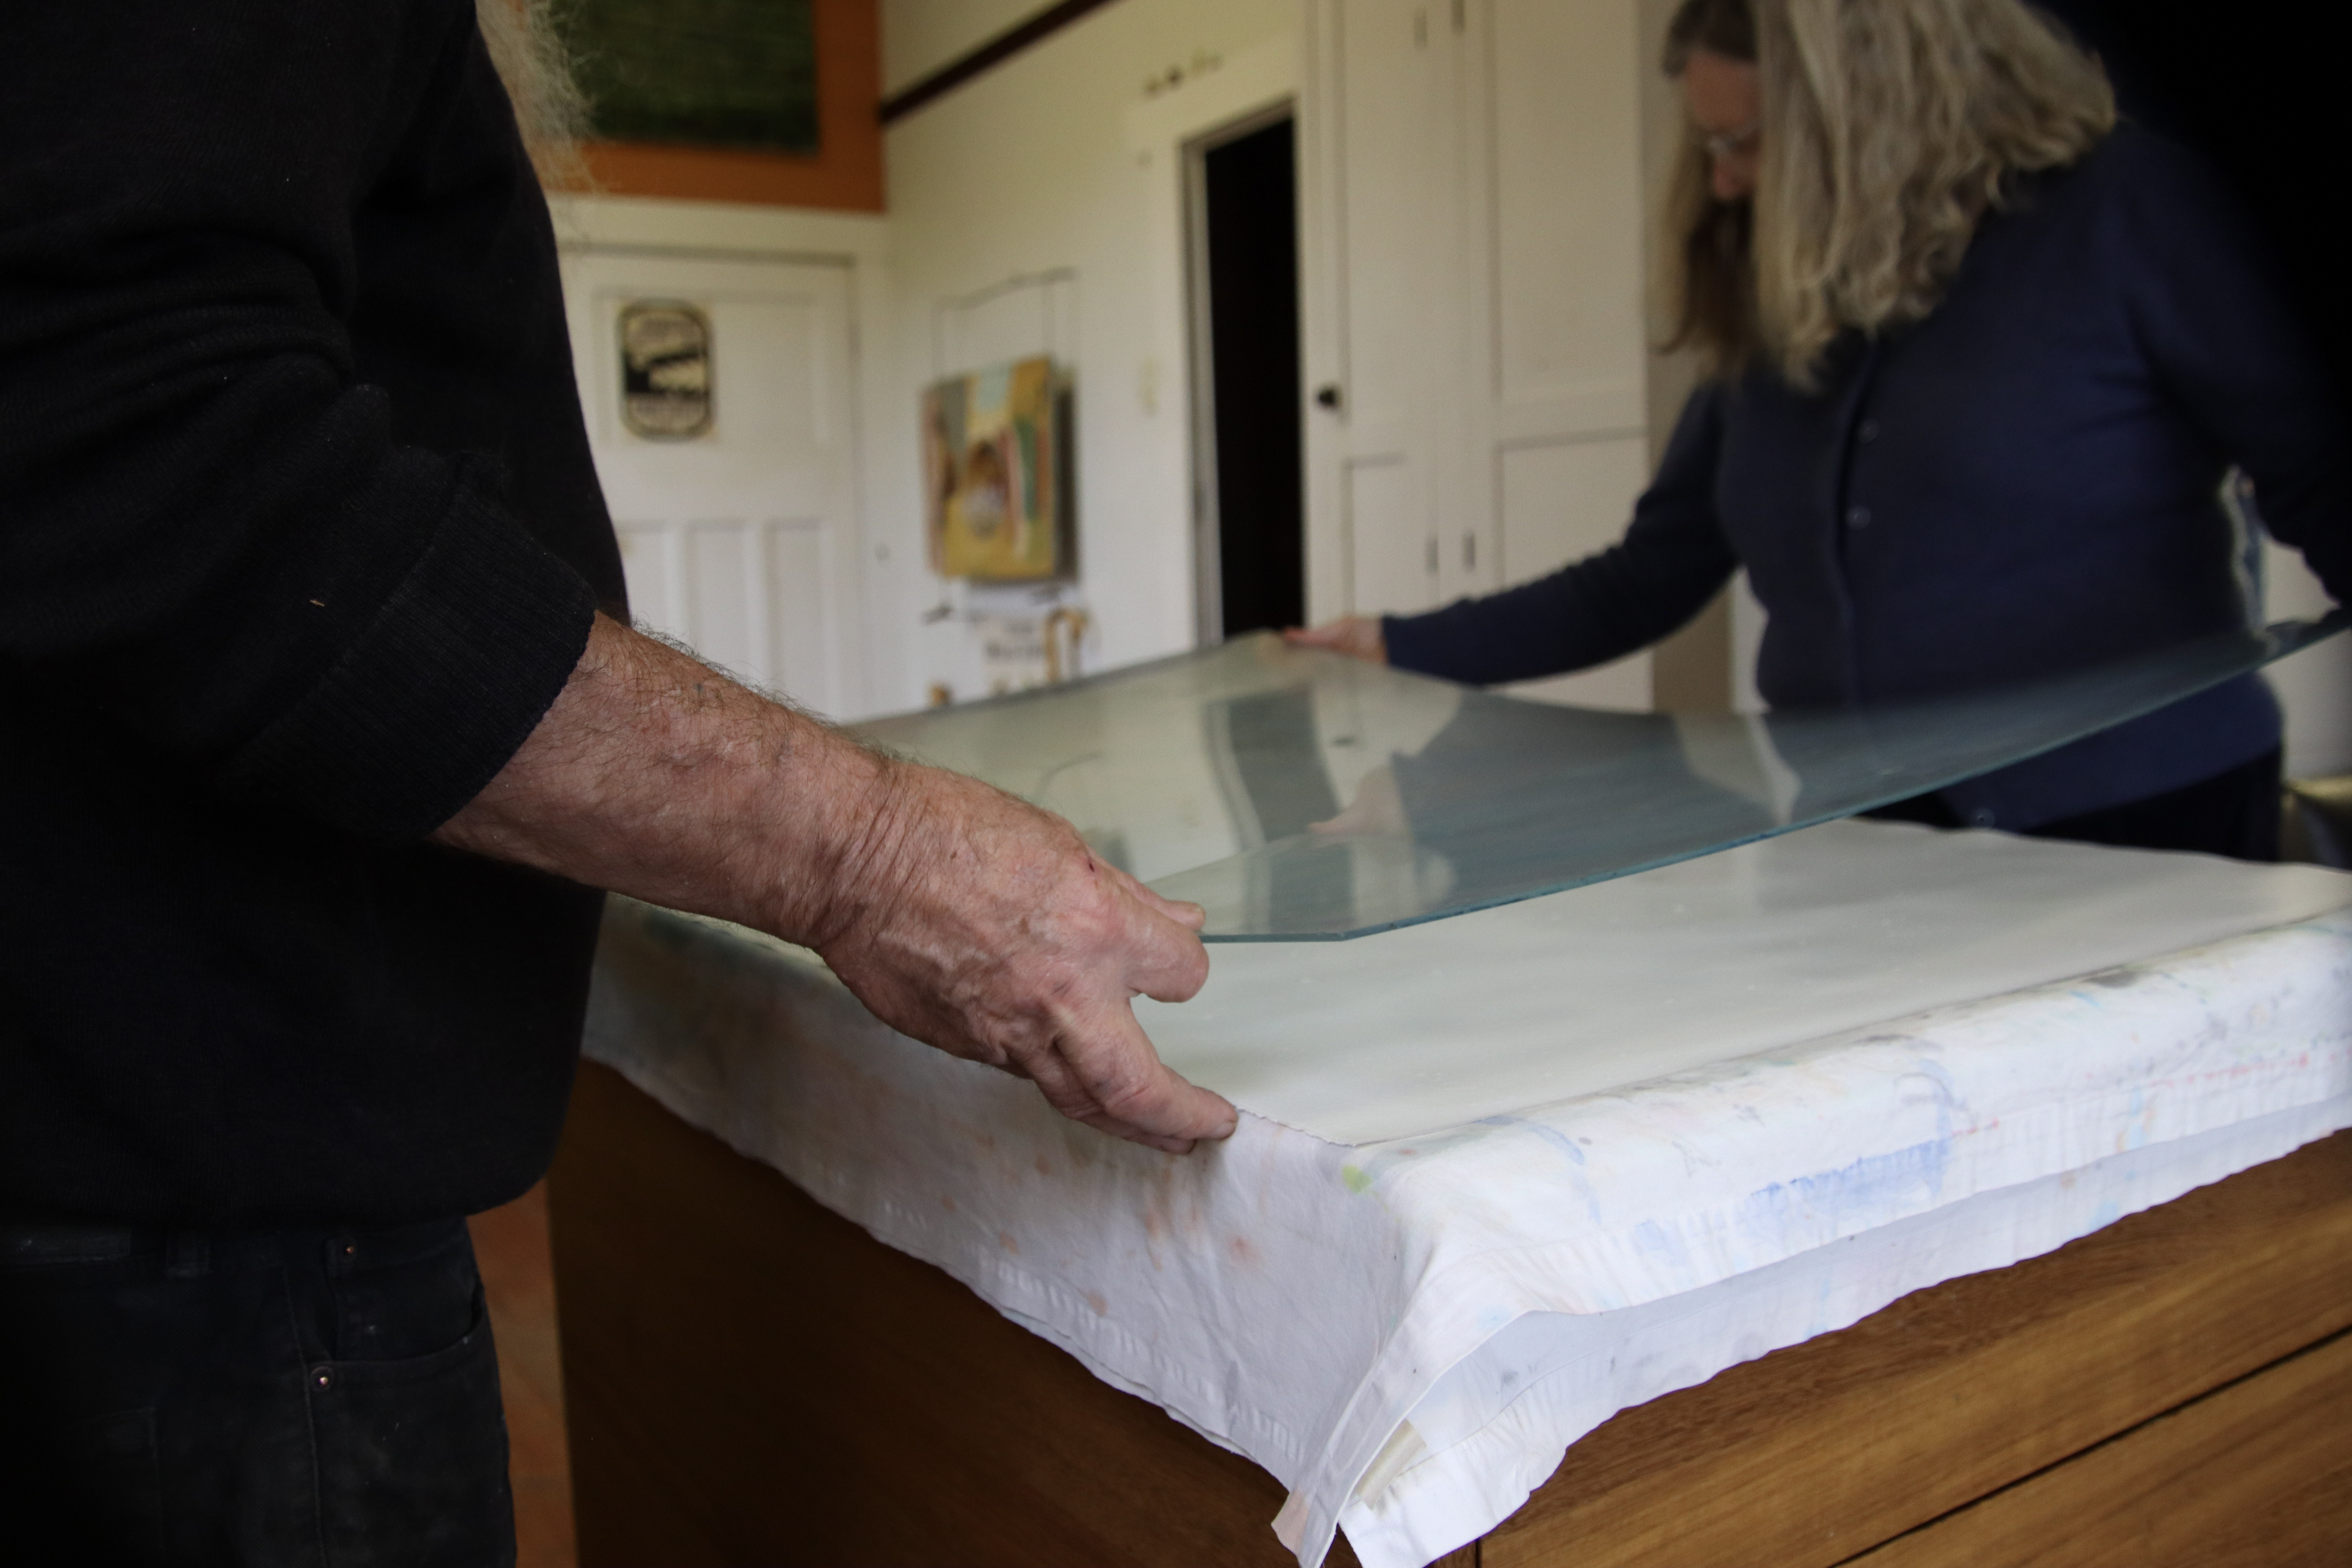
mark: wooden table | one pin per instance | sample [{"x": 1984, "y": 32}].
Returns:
[{"x": 752, "y": 1379}]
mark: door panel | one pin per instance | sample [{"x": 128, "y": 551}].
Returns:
[
  {"x": 1473, "y": 193},
  {"x": 1556, "y": 189},
  {"x": 1564, "y": 499},
  {"x": 723, "y": 597},
  {"x": 1561, "y": 501},
  {"x": 1376, "y": 186},
  {"x": 798, "y": 569},
  {"x": 1394, "y": 112},
  {"x": 1564, "y": 218},
  {"x": 1383, "y": 505}
]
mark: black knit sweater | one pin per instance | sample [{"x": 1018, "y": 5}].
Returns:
[{"x": 298, "y": 540}]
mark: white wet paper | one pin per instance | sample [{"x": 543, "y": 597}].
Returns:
[
  {"x": 1765, "y": 945},
  {"x": 1764, "y": 1112}
]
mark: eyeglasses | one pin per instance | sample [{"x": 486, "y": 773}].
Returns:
[{"x": 1731, "y": 144}]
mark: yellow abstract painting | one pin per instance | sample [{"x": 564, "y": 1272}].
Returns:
[{"x": 993, "y": 471}]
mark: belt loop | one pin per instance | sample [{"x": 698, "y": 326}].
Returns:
[{"x": 187, "y": 1255}]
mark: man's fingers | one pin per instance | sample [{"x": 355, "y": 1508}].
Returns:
[
  {"x": 1165, "y": 961},
  {"x": 1102, "y": 1070},
  {"x": 969, "y": 966},
  {"x": 1112, "y": 1060},
  {"x": 1118, "y": 1129},
  {"x": 1057, "y": 1079},
  {"x": 1193, "y": 917}
]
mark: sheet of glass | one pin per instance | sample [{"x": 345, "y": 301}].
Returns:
[{"x": 1302, "y": 797}]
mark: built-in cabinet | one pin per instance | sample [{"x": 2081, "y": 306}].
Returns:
[{"x": 1473, "y": 209}]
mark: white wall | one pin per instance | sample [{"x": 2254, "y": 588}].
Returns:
[{"x": 1056, "y": 166}]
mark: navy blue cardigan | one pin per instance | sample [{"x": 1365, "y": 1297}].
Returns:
[{"x": 2026, "y": 481}]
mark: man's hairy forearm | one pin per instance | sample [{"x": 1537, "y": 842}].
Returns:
[
  {"x": 652, "y": 776},
  {"x": 962, "y": 916},
  {"x": 954, "y": 911}
]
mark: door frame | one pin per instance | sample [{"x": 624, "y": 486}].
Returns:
[{"x": 1208, "y": 551}]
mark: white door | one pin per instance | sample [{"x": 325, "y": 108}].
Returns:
[
  {"x": 739, "y": 536},
  {"x": 1381, "y": 189},
  {"x": 1474, "y": 218},
  {"x": 1555, "y": 423}
]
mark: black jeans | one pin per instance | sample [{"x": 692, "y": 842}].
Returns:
[
  {"x": 322, "y": 1397},
  {"x": 2235, "y": 813}
]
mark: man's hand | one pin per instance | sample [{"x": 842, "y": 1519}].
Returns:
[
  {"x": 959, "y": 914},
  {"x": 986, "y": 927},
  {"x": 1358, "y": 636}
]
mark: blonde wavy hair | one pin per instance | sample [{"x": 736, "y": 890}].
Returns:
[
  {"x": 536, "y": 69},
  {"x": 1889, "y": 129}
]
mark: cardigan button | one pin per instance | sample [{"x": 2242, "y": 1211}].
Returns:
[
  {"x": 1858, "y": 517},
  {"x": 1869, "y": 431}
]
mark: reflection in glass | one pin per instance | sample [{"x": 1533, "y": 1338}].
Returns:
[{"x": 1300, "y": 795}]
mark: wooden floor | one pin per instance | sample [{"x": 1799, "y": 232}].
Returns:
[{"x": 518, "y": 1281}]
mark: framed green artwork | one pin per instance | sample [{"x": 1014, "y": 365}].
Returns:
[{"x": 698, "y": 73}]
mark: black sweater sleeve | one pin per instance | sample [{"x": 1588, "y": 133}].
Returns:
[
  {"x": 213, "y": 542},
  {"x": 1671, "y": 561}
]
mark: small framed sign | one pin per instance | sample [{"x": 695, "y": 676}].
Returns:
[{"x": 665, "y": 370}]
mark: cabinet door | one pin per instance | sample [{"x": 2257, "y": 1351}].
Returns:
[
  {"x": 738, "y": 540},
  {"x": 1553, "y": 417},
  {"x": 1475, "y": 214},
  {"x": 1383, "y": 299}
]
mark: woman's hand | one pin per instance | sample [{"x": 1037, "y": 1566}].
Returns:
[
  {"x": 1379, "y": 807},
  {"x": 1358, "y": 636}
]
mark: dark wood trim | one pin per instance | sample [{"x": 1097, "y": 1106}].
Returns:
[{"x": 994, "y": 52}]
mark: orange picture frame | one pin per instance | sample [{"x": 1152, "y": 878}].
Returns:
[{"x": 846, "y": 173}]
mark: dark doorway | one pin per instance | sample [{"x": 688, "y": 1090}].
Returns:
[{"x": 1245, "y": 206}]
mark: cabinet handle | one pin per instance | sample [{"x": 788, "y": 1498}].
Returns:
[
  {"x": 1327, "y": 396},
  {"x": 1469, "y": 552},
  {"x": 1432, "y": 557}
]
